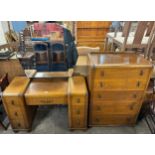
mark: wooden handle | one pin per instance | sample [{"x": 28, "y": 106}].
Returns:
[
  {"x": 97, "y": 120},
  {"x": 131, "y": 106},
  {"x": 98, "y": 108},
  {"x": 47, "y": 101},
  {"x": 99, "y": 96},
  {"x": 78, "y": 111},
  {"x": 141, "y": 73},
  {"x": 101, "y": 84},
  {"x": 134, "y": 96},
  {"x": 78, "y": 100},
  {"x": 102, "y": 73},
  {"x": 19, "y": 125},
  {"x": 12, "y": 102},
  {"x": 16, "y": 114},
  {"x": 138, "y": 83}
]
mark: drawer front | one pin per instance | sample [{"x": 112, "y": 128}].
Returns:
[
  {"x": 120, "y": 84},
  {"x": 12, "y": 102},
  {"x": 107, "y": 108},
  {"x": 113, "y": 73},
  {"x": 15, "y": 113},
  {"x": 45, "y": 100},
  {"x": 78, "y": 122},
  {"x": 18, "y": 123},
  {"x": 78, "y": 100},
  {"x": 117, "y": 96},
  {"x": 78, "y": 111},
  {"x": 113, "y": 120},
  {"x": 136, "y": 85}
]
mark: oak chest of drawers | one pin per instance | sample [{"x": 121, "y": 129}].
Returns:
[
  {"x": 20, "y": 115},
  {"x": 117, "y": 84}
]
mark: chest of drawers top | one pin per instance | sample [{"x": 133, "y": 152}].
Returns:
[{"x": 118, "y": 60}]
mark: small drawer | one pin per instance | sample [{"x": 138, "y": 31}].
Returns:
[
  {"x": 12, "y": 103},
  {"x": 15, "y": 113},
  {"x": 78, "y": 100},
  {"x": 79, "y": 111},
  {"x": 18, "y": 123},
  {"x": 78, "y": 122}
]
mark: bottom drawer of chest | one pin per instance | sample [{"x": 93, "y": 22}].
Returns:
[{"x": 112, "y": 120}]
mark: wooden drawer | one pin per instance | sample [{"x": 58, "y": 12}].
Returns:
[
  {"x": 78, "y": 123},
  {"x": 78, "y": 100},
  {"x": 117, "y": 96},
  {"x": 15, "y": 113},
  {"x": 43, "y": 100},
  {"x": 113, "y": 73},
  {"x": 78, "y": 111},
  {"x": 120, "y": 84},
  {"x": 111, "y": 120},
  {"x": 12, "y": 102},
  {"x": 115, "y": 107},
  {"x": 18, "y": 123}
]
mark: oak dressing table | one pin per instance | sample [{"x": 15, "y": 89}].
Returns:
[{"x": 23, "y": 95}]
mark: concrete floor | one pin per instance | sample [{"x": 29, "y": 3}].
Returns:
[{"x": 53, "y": 120}]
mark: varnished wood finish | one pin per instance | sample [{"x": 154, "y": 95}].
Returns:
[
  {"x": 47, "y": 91},
  {"x": 53, "y": 74},
  {"x": 92, "y": 33},
  {"x": 12, "y": 67},
  {"x": 78, "y": 103},
  {"x": 20, "y": 115},
  {"x": 117, "y": 84}
]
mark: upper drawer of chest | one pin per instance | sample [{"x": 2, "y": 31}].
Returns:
[{"x": 119, "y": 73}]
